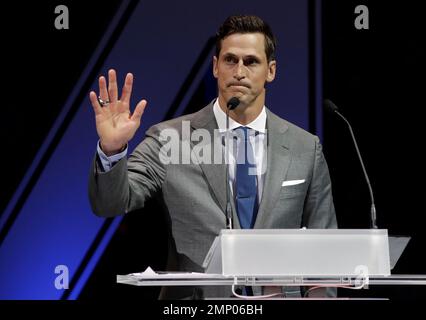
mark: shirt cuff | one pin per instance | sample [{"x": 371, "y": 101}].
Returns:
[{"x": 109, "y": 162}]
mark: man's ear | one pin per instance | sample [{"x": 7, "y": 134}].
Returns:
[
  {"x": 272, "y": 69},
  {"x": 215, "y": 71}
]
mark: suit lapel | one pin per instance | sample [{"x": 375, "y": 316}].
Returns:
[
  {"x": 278, "y": 161},
  {"x": 215, "y": 173}
]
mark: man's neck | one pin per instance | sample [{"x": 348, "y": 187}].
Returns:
[{"x": 244, "y": 114}]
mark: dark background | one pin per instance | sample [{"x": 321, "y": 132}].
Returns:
[{"x": 375, "y": 76}]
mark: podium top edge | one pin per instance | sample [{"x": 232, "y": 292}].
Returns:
[{"x": 383, "y": 232}]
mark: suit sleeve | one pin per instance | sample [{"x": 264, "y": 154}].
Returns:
[
  {"x": 130, "y": 182},
  {"x": 319, "y": 210}
]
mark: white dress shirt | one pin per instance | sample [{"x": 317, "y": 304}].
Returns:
[{"x": 257, "y": 142}]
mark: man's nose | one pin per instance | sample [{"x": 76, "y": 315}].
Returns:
[{"x": 239, "y": 71}]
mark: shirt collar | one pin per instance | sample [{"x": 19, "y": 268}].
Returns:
[{"x": 258, "y": 124}]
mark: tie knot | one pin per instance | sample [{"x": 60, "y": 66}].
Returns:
[{"x": 243, "y": 132}]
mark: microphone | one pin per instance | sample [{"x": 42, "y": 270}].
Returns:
[
  {"x": 231, "y": 105},
  {"x": 330, "y": 106}
]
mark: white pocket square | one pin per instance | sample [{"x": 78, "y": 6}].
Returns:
[{"x": 292, "y": 182}]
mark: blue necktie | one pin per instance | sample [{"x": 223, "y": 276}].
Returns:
[{"x": 245, "y": 181}]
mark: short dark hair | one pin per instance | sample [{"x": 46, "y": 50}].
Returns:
[{"x": 247, "y": 24}]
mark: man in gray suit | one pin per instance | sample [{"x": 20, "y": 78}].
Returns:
[{"x": 290, "y": 187}]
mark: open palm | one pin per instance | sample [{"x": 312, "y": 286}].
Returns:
[{"x": 115, "y": 124}]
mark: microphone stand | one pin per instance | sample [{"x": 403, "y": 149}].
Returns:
[
  {"x": 373, "y": 207},
  {"x": 229, "y": 220},
  {"x": 231, "y": 105},
  {"x": 333, "y": 108}
]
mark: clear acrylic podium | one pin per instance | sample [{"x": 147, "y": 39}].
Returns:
[
  {"x": 353, "y": 258},
  {"x": 304, "y": 252}
]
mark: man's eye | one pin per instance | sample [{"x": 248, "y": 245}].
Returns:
[
  {"x": 250, "y": 62},
  {"x": 230, "y": 60}
]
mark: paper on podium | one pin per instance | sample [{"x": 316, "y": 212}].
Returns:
[
  {"x": 151, "y": 274},
  {"x": 397, "y": 245}
]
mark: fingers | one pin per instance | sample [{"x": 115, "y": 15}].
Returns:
[
  {"x": 139, "y": 110},
  {"x": 111, "y": 94},
  {"x": 127, "y": 89},
  {"x": 112, "y": 87},
  {"x": 103, "y": 88},
  {"x": 95, "y": 104}
]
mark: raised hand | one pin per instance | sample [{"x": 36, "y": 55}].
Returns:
[{"x": 114, "y": 123}]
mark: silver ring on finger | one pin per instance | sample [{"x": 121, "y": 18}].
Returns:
[{"x": 103, "y": 102}]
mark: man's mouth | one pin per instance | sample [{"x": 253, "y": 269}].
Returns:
[{"x": 238, "y": 85}]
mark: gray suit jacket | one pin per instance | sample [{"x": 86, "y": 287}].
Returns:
[{"x": 194, "y": 194}]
